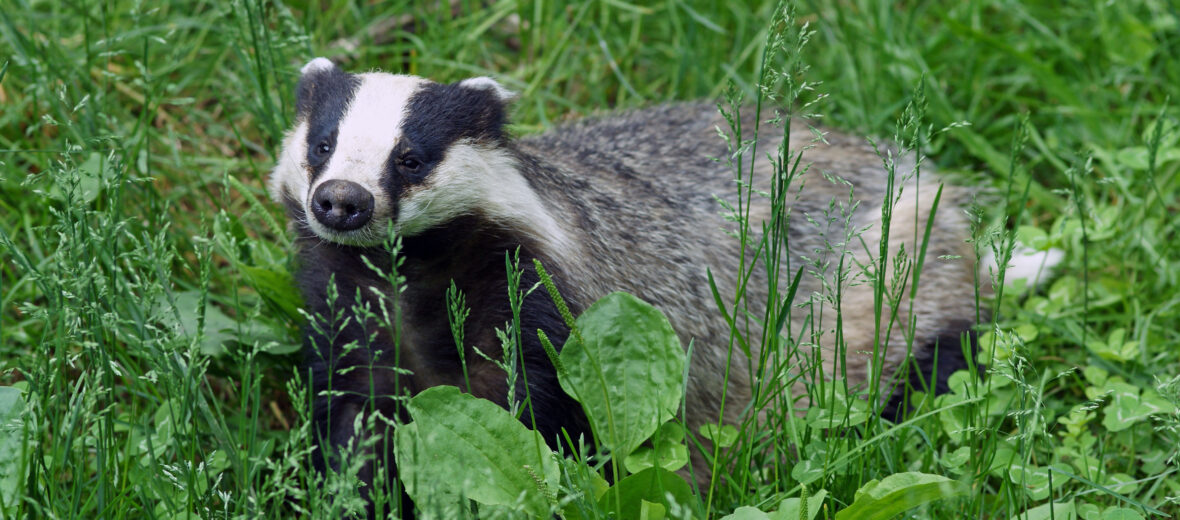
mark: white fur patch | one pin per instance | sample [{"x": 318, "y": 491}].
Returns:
[
  {"x": 370, "y": 128},
  {"x": 486, "y": 83},
  {"x": 1026, "y": 263},
  {"x": 290, "y": 175},
  {"x": 474, "y": 178},
  {"x": 317, "y": 64}
]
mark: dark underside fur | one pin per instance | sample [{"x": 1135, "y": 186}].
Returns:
[
  {"x": 361, "y": 377},
  {"x": 931, "y": 366}
]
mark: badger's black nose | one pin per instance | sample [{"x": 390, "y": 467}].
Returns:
[{"x": 342, "y": 205}]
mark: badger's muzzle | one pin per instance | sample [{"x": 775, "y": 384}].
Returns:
[{"x": 342, "y": 205}]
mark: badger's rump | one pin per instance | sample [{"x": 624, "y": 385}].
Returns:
[{"x": 643, "y": 191}]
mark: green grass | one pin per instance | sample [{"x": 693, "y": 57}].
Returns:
[{"x": 148, "y": 328}]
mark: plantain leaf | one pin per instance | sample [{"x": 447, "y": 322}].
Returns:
[
  {"x": 880, "y": 500},
  {"x": 463, "y": 446},
  {"x": 627, "y": 373},
  {"x": 746, "y": 513},
  {"x": 653, "y": 485}
]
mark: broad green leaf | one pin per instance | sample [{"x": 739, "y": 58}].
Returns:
[
  {"x": 1127, "y": 407},
  {"x": 668, "y": 455},
  {"x": 1152, "y": 401},
  {"x": 169, "y": 420},
  {"x": 655, "y": 485},
  {"x": 1032, "y": 237},
  {"x": 90, "y": 176},
  {"x": 841, "y": 417},
  {"x": 959, "y": 382},
  {"x": 670, "y": 432},
  {"x": 724, "y": 436},
  {"x": 1002, "y": 458},
  {"x": 1121, "y": 513},
  {"x": 880, "y": 500},
  {"x": 1095, "y": 375},
  {"x": 1121, "y": 483},
  {"x": 627, "y": 374},
  {"x": 1065, "y": 291},
  {"x": 838, "y": 409},
  {"x": 1027, "y": 332},
  {"x": 651, "y": 510},
  {"x": 217, "y": 462},
  {"x": 1052, "y": 510},
  {"x": 1116, "y": 347},
  {"x": 463, "y": 446},
  {"x": 1169, "y": 135},
  {"x": 747, "y": 513},
  {"x": 956, "y": 459},
  {"x": 789, "y": 508},
  {"x": 1088, "y": 512},
  {"x": 808, "y": 470},
  {"x": 953, "y": 419},
  {"x": 994, "y": 348},
  {"x": 1133, "y": 157},
  {"x": 1154, "y": 462},
  {"x": 1034, "y": 480},
  {"x": 667, "y": 450},
  {"x": 219, "y": 327},
  {"x": 427, "y": 485}
]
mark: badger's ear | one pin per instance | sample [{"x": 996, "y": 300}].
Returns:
[
  {"x": 320, "y": 64},
  {"x": 488, "y": 84},
  {"x": 318, "y": 79}
]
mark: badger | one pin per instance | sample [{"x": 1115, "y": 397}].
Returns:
[{"x": 625, "y": 202}]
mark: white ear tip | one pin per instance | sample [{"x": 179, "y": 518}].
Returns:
[
  {"x": 486, "y": 83},
  {"x": 316, "y": 65}
]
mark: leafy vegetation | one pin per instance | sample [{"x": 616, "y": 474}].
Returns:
[{"x": 149, "y": 325}]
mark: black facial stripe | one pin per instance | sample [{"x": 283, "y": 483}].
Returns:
[
  {"x": 436, "y": 116},
  {"x": 321, "y": 99}
]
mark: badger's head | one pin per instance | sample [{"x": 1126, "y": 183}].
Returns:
[{"x": 372, "y": 149}]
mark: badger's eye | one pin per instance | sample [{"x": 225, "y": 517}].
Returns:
[
  {"x": 324, "y": 148},
  {"x": 411, "y": 163}
]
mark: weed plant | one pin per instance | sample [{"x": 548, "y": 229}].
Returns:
[{"x": 150, "y": 329}]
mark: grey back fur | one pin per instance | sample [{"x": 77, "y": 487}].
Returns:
[{"x": 639, "y": 190}]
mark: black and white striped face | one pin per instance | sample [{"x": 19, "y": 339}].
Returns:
[{"x": 373, "y": 149}]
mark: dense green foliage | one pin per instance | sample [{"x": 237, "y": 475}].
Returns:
[{"x": 149, "y": 327}]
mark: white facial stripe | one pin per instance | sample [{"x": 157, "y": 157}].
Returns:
[
  {"x": 366, "y": 135},
  {"x": 477, "y": 178},
  {"x": 289, "y": 175}
]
